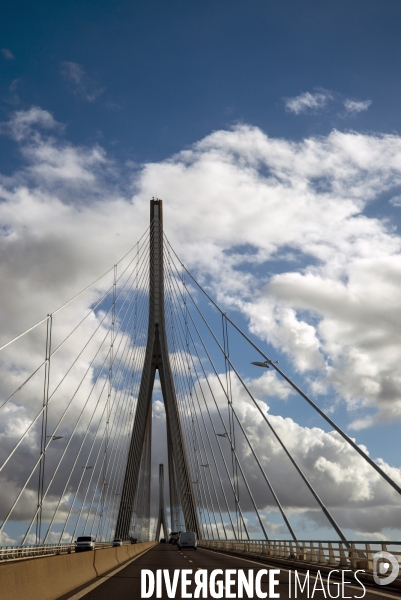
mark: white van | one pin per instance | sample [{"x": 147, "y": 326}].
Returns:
[
  {"x": 187, "y": 539},
  {"x": 84, "y": 542}
]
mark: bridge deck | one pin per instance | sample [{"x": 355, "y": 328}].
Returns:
[{"x": 127, "y": 582}]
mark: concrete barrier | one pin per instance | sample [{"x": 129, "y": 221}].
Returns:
[
  {"x": 49, "y": 577},
  {"x": 122, "y": 554},
  {"x": 105, "y": 559},
  {"x": 133, "y": 549}
]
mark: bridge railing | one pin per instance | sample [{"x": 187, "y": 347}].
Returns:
[
  {"x": 19, "y": 552},
  {"x": 350, "y": 555}
]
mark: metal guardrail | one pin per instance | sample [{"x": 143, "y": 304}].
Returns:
[
  {"x": 19, "y": 552},
  {"x": 344, "y": 555}
]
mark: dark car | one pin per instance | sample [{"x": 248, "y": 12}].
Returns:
[
  {"x": 173, "y": 536},
  {"x": 134, "y": 540},
  {"x": 163, "y": 540}
]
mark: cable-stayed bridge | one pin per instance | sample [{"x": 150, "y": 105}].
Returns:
[{"x": 77, "y": 395}]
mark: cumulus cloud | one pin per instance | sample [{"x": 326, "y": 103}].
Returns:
[
  {"x": 307, "y": 102},
  {"x": 269, "y": 386},
  {"x": 356, "y": 106},
  {"x": 7, "y": 54},
  {"x": 249, "y": 202},
  {"x": 310, "y": 200},
  {"x": 320, "y": 310},
  {"x": 355, "y": 494},
  {"x": 82, "y": 85}
]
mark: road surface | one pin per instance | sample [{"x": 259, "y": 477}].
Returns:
[{"x": 126, "y": 584}]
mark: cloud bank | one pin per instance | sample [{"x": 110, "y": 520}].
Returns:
[
  {"x": 314, "y": 275},
  {"x": 237, "y": 198}
]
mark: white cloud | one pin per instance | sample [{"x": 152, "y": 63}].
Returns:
[
  {"x": 356, "y": 106},
  {"x": 314, "y": 102},
  {"x": 243, "y": 200},
  {"x": 396, "y": 201},
  {"x": 7, "y": 54},
  {"x": 309, "y": 201},
  {"x": 318, "y": 314},
  {"x": 307, "y": 102},
  {"x": 83, "y": 86},
  {"x": 268, "y": 385},
  {"x": 354, "y": 493},
  {"x": 23, "y": 123}
]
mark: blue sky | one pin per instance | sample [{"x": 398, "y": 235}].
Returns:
[
  {"x": 272, "y": 132},
  {"x": 163, "y": 75}
]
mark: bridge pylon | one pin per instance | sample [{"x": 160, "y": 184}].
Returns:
[{"x": 157, "y": 359}]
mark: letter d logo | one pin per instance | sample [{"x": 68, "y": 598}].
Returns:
[{"x": 383, "y": 567}]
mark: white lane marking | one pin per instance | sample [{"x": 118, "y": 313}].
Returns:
[
  {"x": 191, "y": 561},
  {"x": 254, "y": 562}
]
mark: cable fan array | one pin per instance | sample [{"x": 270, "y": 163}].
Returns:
[
  {"x": 71, "y": 418},
  {"x": 235, "y": 486},
  {"x": 69, "y": 389}
]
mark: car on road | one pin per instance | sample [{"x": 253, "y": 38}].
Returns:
[
  {"x": 134, "y": 540},
  {"x": 173, "y": 537},
  {"x": 117, "y": 542},
  {"x": 162, "y": 540},
  {"x": 84, "y": 543},
  {"x": 187, "y": 539}
]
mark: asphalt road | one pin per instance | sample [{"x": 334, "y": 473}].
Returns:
[{"x": 126, "y": 584}]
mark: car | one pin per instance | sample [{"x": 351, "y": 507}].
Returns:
[
  {"x": 117, "y": 542},
  {"x": 162, "y": 540},
  {"x": 173, "y": 537},
  {"x": 134, "y": 540},
  {"x": 84, "y": 543},
  {"x": 187, "y": 539}
]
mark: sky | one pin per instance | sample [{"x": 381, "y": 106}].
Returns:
[{"x": 272, "y": 133}]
